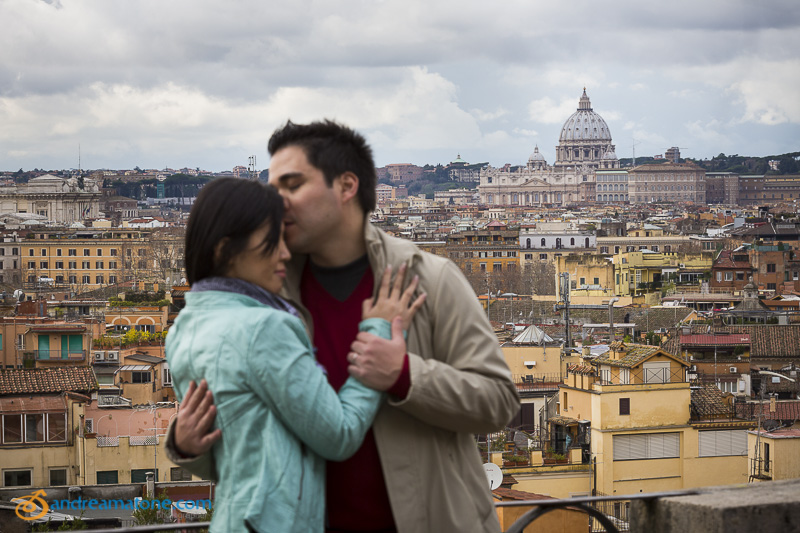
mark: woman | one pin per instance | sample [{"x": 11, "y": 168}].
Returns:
[{"x": 279, "y": 416}]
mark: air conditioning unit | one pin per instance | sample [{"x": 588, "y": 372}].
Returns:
[
  {"x": 99, "y": 355},
  {"x": 733, "y": 370},
  {"x": 112, "y": 355}
]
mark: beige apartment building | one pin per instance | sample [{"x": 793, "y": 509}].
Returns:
[{"x": 83, "y": 261}]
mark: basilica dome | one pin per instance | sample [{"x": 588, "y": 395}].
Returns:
[
  {"x": 585, "y": 125},
  {"x": 536, "y": 156}
]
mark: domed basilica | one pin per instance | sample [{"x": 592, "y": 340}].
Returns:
[{"x": 584, "y": 148}]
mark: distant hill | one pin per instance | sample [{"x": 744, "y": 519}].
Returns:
[{"x": 740, "y": 164}]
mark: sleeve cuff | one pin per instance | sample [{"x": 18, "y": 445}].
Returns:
[{"x": 400, "y": 388}]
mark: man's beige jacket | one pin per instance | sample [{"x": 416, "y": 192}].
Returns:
[{"x": 460, "y": 386}]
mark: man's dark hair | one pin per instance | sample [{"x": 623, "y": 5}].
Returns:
[
  {"x": 334, "y": 149},
  {"x": 230, "y": 209}
]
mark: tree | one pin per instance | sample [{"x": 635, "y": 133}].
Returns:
[{"x": 787, "y": 165}]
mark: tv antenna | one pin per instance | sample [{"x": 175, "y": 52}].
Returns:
[{"x": 634, "y": 150}]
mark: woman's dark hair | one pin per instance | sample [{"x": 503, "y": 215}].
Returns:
[{"x": 230, "y": 209}]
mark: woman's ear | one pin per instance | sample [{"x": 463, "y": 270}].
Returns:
[{"x": 218, "y": 255}]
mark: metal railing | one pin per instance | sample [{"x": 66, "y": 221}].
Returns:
[
  {"x": 642, "y": 376},
  {"x": 595, "y": 506},
  {"x": 60, "y": 355}
]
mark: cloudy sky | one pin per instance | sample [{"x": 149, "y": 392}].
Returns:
[{"x": 194, "y": 83}]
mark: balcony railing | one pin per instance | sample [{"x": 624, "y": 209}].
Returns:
[
  {"x": 642, "y": 376},
  {"x": 60, "y": 355},
  {"x": 533, "y": 382}
]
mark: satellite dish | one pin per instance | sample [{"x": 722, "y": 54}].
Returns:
[{"x": 493, "y": 474}]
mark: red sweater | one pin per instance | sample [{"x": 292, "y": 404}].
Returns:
[{"x": 356, "y": 491}]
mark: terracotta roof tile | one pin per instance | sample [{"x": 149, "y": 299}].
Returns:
[{"x": 47, "y": 380}]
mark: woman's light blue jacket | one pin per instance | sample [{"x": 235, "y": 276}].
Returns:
[{"x": 280, "y": 418}]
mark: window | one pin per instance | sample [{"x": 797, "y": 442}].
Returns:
[
  {"x": 113, "y": 264},
  {"x": 646, "y": 446},
  {"x": 624, "y": 406},
  {"x": 771, "y": 286},
  {"x": 12, "y": 429},
  {"x": 728, "y": 276},
  {"x": 113, "y": 252},
  {"x": 86, "y": 280},
  {"x": 56, "y": 427},
  {"x": 30, "y": 252},
  {"x": 86, "y": 265},
  {"x": 58, "y": 477},
  {"x": 107, "y": 477},
  {"x": 31, "y": 264},
  {"x": 740, "y": 276},
  {"x": 140, "y": 476},
  {"x": 497, "y": 267},
  {"x": 142, "y": 252},
  {"x": 497, "y": 254},
  {"x": 99, "y": 252},
  {"x": 543, "y": 257},
  {"x": 140, "y": 377},
  {"x": 58, "y": 252},
  {"x": 44, "y": 252},
  {"x": 142, "y": 264},
  {"x": 73, "y": 264},
  {"x": 113, "y": 279},
  {"x": 60, "y": 265},
  {"x": 582, "y": 281},
  {"x": 72, "y": 252},
  {"x": 34, "y": 428},
  {"x": 597, "y": 281},
  {"x": 167, "y": 376},
  {"x": 722, "y": 442},
  {"x": 603, "y": 249},
  {"x": 98, "y": 265},
  {"x": 179, "y": 474},
  {"x": 86, "y": 252},
  {"x": 770, "y": 267},
  {"x": 18, "y": 478},
  {"x": 528, "y": 256},
  {"x": 43, "y": 264},
  {"x": 73, "y": 279},
  {"x": 719, "y": 275}
]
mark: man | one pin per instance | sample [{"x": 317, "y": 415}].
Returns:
[{"x": 418, "y": 469}]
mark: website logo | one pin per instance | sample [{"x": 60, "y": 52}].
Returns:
[{"x": 33, "y": 506}]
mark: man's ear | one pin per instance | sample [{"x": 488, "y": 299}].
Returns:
[{"x": 349, "y": 183}]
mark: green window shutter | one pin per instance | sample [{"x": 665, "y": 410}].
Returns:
[
  {"x": 44, "y": 347},
  {"x": 140, "y": 476},
  {"x": 76, "y": 344},
  {"x": 106, "y": 477}
]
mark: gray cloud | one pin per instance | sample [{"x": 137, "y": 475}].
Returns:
[{"x": 165, "y": 81}]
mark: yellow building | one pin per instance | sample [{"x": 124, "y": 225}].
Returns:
[
  {"x": 591, "y": 278},
  {"x": 774, "y": 455},
  {"x": 638, "y": 401},
  {"x": 641, "y": 272},
  {"x": 493, "y": 249},
  {"x": 84, "y": 261},
  {"x": 53, "y": 433},
  {"x": 43, "y": 342}
]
